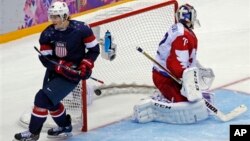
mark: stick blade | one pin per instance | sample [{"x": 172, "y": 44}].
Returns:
[{"x": 235, "y": 113}]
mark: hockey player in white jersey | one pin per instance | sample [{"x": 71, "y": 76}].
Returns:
[{"x": 175, "y": 103}]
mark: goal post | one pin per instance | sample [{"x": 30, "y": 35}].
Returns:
[
  {"x": 142, "y": 27},
  {"x": 129, "y": 72},
  {"x": 84, "y": 107}
]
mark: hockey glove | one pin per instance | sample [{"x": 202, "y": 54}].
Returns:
[
  {"x": 86, "y": 68},
  {"x": 67, "y": 71},
  {"x": 45, "y": 61}
]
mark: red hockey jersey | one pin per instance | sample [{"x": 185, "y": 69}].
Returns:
[{"x": 177, "y": 50}]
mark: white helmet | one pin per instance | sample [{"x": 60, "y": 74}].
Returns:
[
  {"x": 59, "y": 8},
  {"x": 187, "y": 15}
]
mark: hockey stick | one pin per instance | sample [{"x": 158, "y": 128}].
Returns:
[
  {"x": 153, "y": 60},
  {"x": 221, "y": 116},
  {"x": 65, "y": 67}
]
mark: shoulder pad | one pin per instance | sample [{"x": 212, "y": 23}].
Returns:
[{"x": 177, "y": 29}]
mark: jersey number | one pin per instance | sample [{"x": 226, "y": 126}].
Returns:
[{"x": 185, "y": 41}]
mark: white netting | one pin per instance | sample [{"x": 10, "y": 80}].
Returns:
[
  {"x": 145, "y": 30},
  {"x": 130, "y": 72}
]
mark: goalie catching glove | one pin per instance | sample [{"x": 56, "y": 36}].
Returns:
[{"x": 206, "y": 76}]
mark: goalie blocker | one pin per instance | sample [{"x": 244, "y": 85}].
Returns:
[{"x": 190, "y": 84}]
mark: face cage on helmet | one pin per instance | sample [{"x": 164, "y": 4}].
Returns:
[
  {"x": 51, "y": 17},
  {"x": 189, "y": 18},
  {"x": 63, "y": 17}
]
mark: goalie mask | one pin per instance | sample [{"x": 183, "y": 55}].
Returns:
[
  {"x": 59, "y": 9},
  {"x": 187, "y": 15}
]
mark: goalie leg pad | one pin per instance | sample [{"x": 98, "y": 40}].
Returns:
[
  {"x": 181, "y": 112},
  {"x": 143, "y": 112},
  {"x": 144, "y": 104},
  {"x": 175, "y": 113},
  {"x": 143, "y": 116}
]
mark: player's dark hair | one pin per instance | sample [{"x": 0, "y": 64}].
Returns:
[{"x": 65, "y": 16}]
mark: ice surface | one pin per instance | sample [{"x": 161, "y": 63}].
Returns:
[{"x": 224, "y": 45}]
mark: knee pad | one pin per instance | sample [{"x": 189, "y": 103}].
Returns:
[
  {"x": 42, "y": 100},
  {"x": 57, "y": 110}
]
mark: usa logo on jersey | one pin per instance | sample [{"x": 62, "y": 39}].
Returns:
[{"x": 60, "y": 49}]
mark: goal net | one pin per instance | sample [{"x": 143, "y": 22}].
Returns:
[{"x": 130, "y": 71}]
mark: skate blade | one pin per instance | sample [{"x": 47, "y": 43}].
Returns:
[
  {"x": 61, "y": 136},
  {"x": 19, "y": 140}
]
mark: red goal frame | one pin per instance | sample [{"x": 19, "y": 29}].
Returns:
[{"x": 108, "y": 20}]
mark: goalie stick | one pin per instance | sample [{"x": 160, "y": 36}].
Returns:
[
  {"x": 216, "y": 112},
  {"x": 65, "y": 67}
]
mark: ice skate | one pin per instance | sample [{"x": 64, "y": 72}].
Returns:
[
  {"x": 26, "y": 136},
  {"x": 60, "y": 132}
]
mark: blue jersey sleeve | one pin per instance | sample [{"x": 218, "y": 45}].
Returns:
[
  {"x": 91, "y": 43},
  {"x": 46, "y": 48}
]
